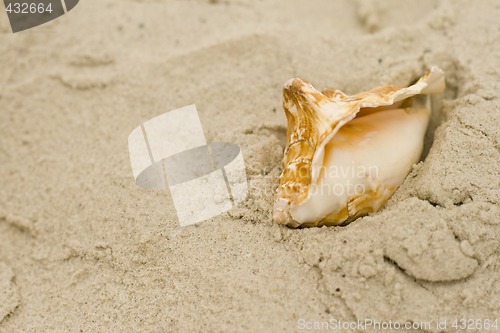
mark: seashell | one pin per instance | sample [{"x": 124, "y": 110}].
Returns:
[{"x": 346, "y": 155}]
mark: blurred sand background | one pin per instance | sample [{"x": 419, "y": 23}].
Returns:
[{"x": 83, "y": 249}]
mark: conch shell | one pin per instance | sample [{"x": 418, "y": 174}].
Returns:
[{"x": 346, "y": 155}]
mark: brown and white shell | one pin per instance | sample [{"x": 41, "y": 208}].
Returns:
[{"x": 346, "y": 155}]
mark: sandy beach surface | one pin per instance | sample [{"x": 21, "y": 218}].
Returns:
[{"x": 84, "y": 249}]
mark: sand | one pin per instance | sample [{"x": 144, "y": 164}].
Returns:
[{"x": 83, "y": 249}]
